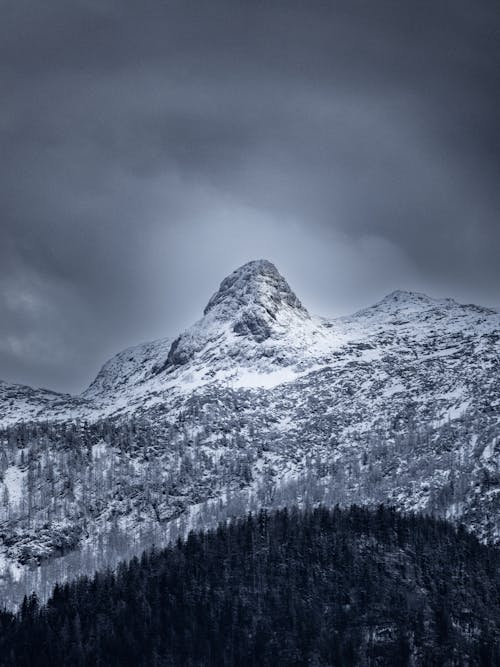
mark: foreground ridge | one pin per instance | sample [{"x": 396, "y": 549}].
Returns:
[{"x": 322, "y": 587}]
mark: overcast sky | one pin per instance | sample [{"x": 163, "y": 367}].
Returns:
[{"x": 148, "y": 148}]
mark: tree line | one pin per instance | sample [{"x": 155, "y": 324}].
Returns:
[{"x": 290, "y": 587}]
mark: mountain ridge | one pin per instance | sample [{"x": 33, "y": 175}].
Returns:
[
  {"x": 397, "y": 404},
  {"x": 254, "y": 303}
]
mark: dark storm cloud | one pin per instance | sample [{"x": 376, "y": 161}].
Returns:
[{"x": 148, "y": 148}]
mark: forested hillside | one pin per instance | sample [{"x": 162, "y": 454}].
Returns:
[
  {"x": 321, "y": 587},
  {"x": 79, "y": 497}
]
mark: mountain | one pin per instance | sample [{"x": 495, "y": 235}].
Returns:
[
  {"x": 253, "y": 329},
  {"x": 258, "y": 403}
]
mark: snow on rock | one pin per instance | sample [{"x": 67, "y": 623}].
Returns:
[
  {"x": 398, "y": 403},
  {"x": 256, "y": 333},
  {"x": 132, "y": 366},
  {"x": 13, "y": 480},
  {"x": 253, "y": 319}
]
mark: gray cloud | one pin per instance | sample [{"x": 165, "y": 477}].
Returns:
[{"x": 150, "y": 147}]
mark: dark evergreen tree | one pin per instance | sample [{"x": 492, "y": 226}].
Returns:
[{"x": 319, "y": 587}]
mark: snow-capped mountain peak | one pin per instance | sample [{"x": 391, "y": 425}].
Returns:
[
  {"x": 254, "y": 332},
  {"x": 403, "y": 302},
  {"x": 254, "y": 315},
  {"x": 406, "y": 298},
  {"x": 257, "y": 285},
  {"x": 403, "y": 307}
]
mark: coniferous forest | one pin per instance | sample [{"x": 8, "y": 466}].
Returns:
[{"x": 315, "y": 587}]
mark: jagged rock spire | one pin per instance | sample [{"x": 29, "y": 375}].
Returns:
[
  {"x": 252, "y": 305},
  {"x": 257, "y": 283}
]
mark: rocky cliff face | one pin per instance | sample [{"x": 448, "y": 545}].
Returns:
[
  {"x": 257, "y": 403},
  {"x": 253, "y": 315}
]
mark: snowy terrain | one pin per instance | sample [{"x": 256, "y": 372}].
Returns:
[
  {"x": 256, "y": 333},
  {"x": 398, "y": 403}
]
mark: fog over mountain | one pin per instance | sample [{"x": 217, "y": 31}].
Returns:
[{"x": 150, "y": 147}]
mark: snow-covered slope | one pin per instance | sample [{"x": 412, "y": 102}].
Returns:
[
  {"x": 130, "y": 367},
  {"x": 254, "y": 320},
  {"x": 256, "y": 333},
  {"x": 397, "y": 403},
  {"x": 20, "y": 403}
]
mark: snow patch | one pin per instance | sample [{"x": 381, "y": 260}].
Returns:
[
  {"x": 13, "y": 479},
  {"x": 253, "y": 379}
]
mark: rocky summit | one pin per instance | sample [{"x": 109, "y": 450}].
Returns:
[
  {"x": 257, "y": 404},
  {"x": 257, "y": 287},
  {"x": 253, "y": 305}
]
